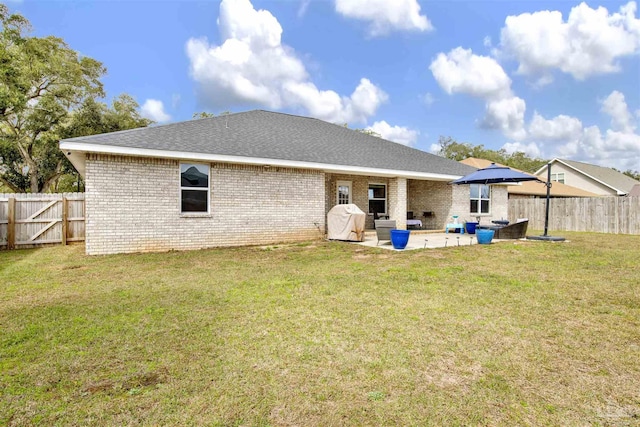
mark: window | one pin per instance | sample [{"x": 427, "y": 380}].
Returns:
[
  {"x": 558, "y": 177},
  {"x": 480, "y": 198},
  {"x": 343, "y": 192},
  {"x": 194, "y": 188},
  {"x": 378, "y": 199}
]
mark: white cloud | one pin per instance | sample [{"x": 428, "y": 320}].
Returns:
[
  {"x": 566, "y": 137},
  {"x": 531, "y": 149},
  {"x": 154, "y": 110},
  {"x": 616, "y": 107},
  {"x": 399, "y": 134},
  {"x": 385, "y": 16},
  {"x": 589, "y": 42},
  {"x": 560, "y": 128},
  {"x": 252, "y": 66},
  {"x": 462, "y": 71},
  {"x": 328, "y": 105},
  {"x": 434, "y": 148},
  {"x": 506, "y": 114}
]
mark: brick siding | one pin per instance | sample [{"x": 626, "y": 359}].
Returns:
[
  {"x": 133, "y": 205},
  {"x": 446, "y": 200}
]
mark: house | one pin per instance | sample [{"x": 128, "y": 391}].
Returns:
[
  {"x": 256, "y": 177},
  {"x": 596, "y": 179},
  {"x": 532, "y": 189}
]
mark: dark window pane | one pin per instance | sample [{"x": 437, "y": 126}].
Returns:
[
  {"x": 377, "y": 206},
  {"x": 377, "y": 191},
  {"x": 474, "y": 206},
  {"x": 194, "y": 201},
  {"x": 343, "y": 194},
  {"x": 194, "y": 176},
  {"x": 485, "y": 206}
]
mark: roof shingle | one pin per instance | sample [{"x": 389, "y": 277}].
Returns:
[{"x": 269, "y": 135}]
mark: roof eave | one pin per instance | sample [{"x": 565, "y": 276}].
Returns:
[{"x": 76, "y": 152}]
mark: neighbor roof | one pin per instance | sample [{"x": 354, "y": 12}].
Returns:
[
  {"x": 263, "y": 137},
  {"x": 613, "y": 179},
  {"x": 533, "y": 188}
]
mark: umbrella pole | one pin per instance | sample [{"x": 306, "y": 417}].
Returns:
[
  {"x": 546, "y": 214},
  {"x": 545, "y": 236}
]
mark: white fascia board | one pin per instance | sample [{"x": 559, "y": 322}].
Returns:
[
  {"x": 544, "y": 167},
  {"x": 68, "y": 146},
  {"x": 619, "y": 192}
]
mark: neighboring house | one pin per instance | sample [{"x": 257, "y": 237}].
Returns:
[
  {"x": 256, "y": 177},
  {"x": 532, "y": 189},
  {"x": 596, "y": 179}
]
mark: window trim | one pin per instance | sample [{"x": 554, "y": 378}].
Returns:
[
  {"x": 386, "y": 197},
  {"x": 555, "y": 177},
  {"x": 344, "y": 184},
  {"x": 207, "y": 189},
  {"x": 480, "y": 199}
]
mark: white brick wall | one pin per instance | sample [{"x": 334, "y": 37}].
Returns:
[
  {"x": 446, "y": 200},
  {"x": 398, "y": 202},
  {"x": 133, "y": 205}
]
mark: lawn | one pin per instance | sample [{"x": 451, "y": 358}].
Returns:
[{"x": 324, "y": 334}]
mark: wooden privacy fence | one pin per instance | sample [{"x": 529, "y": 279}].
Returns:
[
  {"x": 618, "y": 215},
  {"x": 28, "y": 220}
]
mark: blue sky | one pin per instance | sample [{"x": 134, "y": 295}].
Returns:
[{"x": 548, "y": 78}]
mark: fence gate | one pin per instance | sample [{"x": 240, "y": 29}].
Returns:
[{"x": 28, "y": 220}]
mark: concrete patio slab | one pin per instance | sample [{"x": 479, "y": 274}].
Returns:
[{"x": 418, "y": 240}]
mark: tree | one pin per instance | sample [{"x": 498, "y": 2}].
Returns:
[
  {"x": 41, "y": 80},
  {"x": 206, "y": 115},
  {"x": 91, "y": 118},
  {"x": 451, "y": 149},
  {"x": 202, "y": 115},
  {"x": 365, "y": 131}
]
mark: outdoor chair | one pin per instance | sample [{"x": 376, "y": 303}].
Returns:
[
  {"x": 517, "y": 230},
  {"x": 383, "y": 229}
]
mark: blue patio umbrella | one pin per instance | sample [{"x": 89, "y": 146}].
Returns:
[{"x": 495, "y": 174}]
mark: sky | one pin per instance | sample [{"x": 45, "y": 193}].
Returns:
[{"x": 549, "y": 78}]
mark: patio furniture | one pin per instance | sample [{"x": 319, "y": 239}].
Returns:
[
  {"x": 455, "y": 225},
  {"x": 414, "y": 223},
  {"x": 383, "y": 229},
  {"x": 517, "y": 230}
]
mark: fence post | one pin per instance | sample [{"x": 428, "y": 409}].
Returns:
[
  {"x": 11, "y": 224},
  {"x": 65, "y": 220}
]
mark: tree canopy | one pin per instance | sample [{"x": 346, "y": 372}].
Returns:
[
  {"x": 47, "y": 92},
  {"x": 41, "y": 80},
  {"x": 451, "y": 149},
  {"x": 91, "y": 118}
]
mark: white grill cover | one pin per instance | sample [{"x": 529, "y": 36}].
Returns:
[{"x": 346, "y": 222}]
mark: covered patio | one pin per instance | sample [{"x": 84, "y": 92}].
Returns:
[
  {"x": 421, "y": 239},
  {"x": 415, "y": 204}
]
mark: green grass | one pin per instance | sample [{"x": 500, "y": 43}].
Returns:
[{"x": 516, "y": 333}]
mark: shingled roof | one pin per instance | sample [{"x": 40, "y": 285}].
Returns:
[
  {"x": 263, "y": 137},
  {"x": 613, "y": 179},
  {"x": 533, "y": 188}
]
